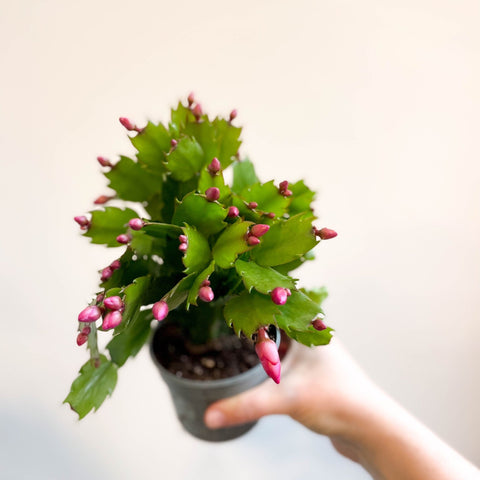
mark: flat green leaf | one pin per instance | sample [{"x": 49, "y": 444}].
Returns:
[
  {"x": 263, "y": 279},
  {"x": 230, "y": 244},
  {"x": 131, "y": 340},
  {"x": 179, "y": 293},
  {"x": 152, "y": 143},
  {"x": 143, "y": 244},
  {"x": 301, "y": 198},
  {"x": 129, "y": 270},
  {"x": 92, "y": 386},
  {"x": 198, "y": 254},
  {"x": 185, "y": 160},
  {"x": 196, "y": 210},
  {"x": 267, "y": 196},
  {"x": 107, "y": 224},
  {"x": 181, "y": 116},
  {"x": 285, "y": 242},
  {"x": 318, "y": 295},
  {"x": 250, "y": 311},
  {"x": 288, "y": 267},
  {"x": 133, "y": 182},
  {"x": 162, "y": 230},
  {"x": 243, "y": 175},
  {"x": 311, "y": 337},
  {"x": 193, "y": 293}
]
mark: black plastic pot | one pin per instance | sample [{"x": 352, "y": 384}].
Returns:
[{"x": 192, "y": 397}]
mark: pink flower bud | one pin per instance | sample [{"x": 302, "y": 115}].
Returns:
[
  {"x": 182, "y": 239},
  {"x": 86, "y": 330},
  {"x": 205, "y": 283},
  {"x": 115, "y": 265},
  {"x": 129, "y": 125},
  {"x": 89, "y": 314},
  {"x": 289, "y": 293},
  {"x": 104, "y": 162},
  {"x": 325, "y": 233},
  {"x": 214, "y": 166},
  {"x": 318, "y": 324},
  {"x": 283, "y": 186},
  {"x": 252, "y": 205},
  {"x": 113, "y": 303},
  {"x": 233, "y": 212},
  {"x": 279, "y": 296},
  {"x": 100, "y": 298},
  {"x": 81, "y": 339},
  {"x": 212, "y": 194},
  {"x": 271, "y": 215},
  {"x": 124, "y": 238},
  {"x": 173, "y": 143},
  {"x": 252, "y": 240},
  {"x": 102, "y": 199},
  {"x": 191, "y": 99},
  {"x": 160, "y": 310},
  {"x": 107, "y": 272},
  {"x": 136, "y": 223},
  {"x": 206, "y": 294},
  {"x": 183, "y": 247},
  {"x": 233, "y": 115},
  {"x": 82, "y": 221},
  {"x": 197, "y": 111},
  {"x": 287, "y": 193},
  {"x": 259, "y": 230},
  {"x": 112, "y": 320},
  {"x": 268, "y": 355}
]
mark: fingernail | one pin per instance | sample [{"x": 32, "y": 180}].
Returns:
[{"x": 214, "y": 419}]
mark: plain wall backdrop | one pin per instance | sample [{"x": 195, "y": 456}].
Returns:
[{"x": 374, "y": 103}]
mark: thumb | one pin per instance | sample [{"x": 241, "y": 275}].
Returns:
[{"x": 265, "y": 399}]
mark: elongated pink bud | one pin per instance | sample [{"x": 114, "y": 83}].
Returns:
[
  {"x": 112, "y": 319},
  {"x": 82, "y": 220},
  {"x": 115, "y": 265},
  {"x": 283, "y": 189},
  {"x": 81, "y": 339},
  {"x": 318, "y": 324},
  {"x": 233, "y": 114},
  {"x": 191, "y": 99},
  {"x": 104, "y": 162},
  {"x": 86, "y": 330},
  {"x": 136, "y": 223},
  {"x": 183, "y": 247},
  {"x": 113, "y": 303},
  {"x": 206, "y": 294},
  {"x": 197, "y": 111},
  {"x": 268, "y": 355},
  {"x": 129, "y": 125},
  {"x": 107, "y": 272},
  {"x": 102, "y": 199},
  {"x": 182, "y": 239},
  {"x": 89, "y": 314},
  {"x": 160, "y": 310},
  {"x": 173, "y": 143},
  {"x": 259, "y": 229},
  {"x": 233, "y": 212},
  {"x": 212, "y": 194},
  {"x": 252, "y": 240},
  {"x": 279, "y": 296},
  {"x": 124, "y": 238},
  {"x": 325, "y": 233},
  {"x": 214, "y": 166},
  {"x": 100, "y": 298},
  {"x": 252, "y": 205}
]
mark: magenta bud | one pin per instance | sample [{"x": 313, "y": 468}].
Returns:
[
  {"x": 182, "y": 239},
  {"x": 233, "y": 212},
  {"x": 104, "y": 162},
  {"x": 252, "y": 240},
  {"x": 86, "y": 330},
  {"x": 124, "y": 238},
  {"x": 214, "y": 166},
  {"x": 205, "y": 283},
  {"x": 107, "y": 272},
  {"x": 268, "y": 355},
  {"x": 173, "y": 142},
  {"x": 233, "y": 115},
  {"x": 212, "y": 194},
  {"x": 271, "y": 215},
  {"x": 100, "y": 298},
  {"x": 283, "y": 186},
  {"x": 115, "y": 265},
  {"x": 197, "y": 111},
  {"x": 325, "y": 233},
  {"x": 279, "y": 296},
  {"x": 206, "y": 294},
  {"x": 81, "y": 339},
  {"x": 102, "y": 199},
  {"x": 112, "y": 320},
  {"x": 318, "y": 324},
  {"x": 288, "y": 292},
  {"x": 113, "y": 303},
  {"x": 183, "y": 247},
  {"x": 259, "y": 229},
  {"x": 160, "y": 310},
  {"x": 191, "y": 99},
  {"x": 136, "y": 223},
  {"x": 129, "y": 125},
  {"x": 252, "y": 205},
  {"x": 89, "y": 314},
  {"x": 82, "y": 220}
]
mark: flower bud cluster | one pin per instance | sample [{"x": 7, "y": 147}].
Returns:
[
  {"x": 183, "y": 243},
  {"x": 283, "y": 189},
  {"x": 255, "y": 232},
  {"x": 205, "y": 293}
]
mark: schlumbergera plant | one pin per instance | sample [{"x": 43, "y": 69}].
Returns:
[{"x": 210, "y": 256}]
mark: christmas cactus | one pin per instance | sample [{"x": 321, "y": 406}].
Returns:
[{"x": 195, "y": 250}]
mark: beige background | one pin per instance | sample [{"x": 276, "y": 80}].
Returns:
[{"x": 375, "y": 103}]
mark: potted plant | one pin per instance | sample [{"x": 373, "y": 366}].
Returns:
[{"x": 211, "y": 262}]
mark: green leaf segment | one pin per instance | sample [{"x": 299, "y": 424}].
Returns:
[{"x": 167, "y": 179}]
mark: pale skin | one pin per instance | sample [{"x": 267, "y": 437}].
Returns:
[{"x": 325, "y": 390}]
